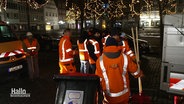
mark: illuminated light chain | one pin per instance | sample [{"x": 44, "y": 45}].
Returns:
[
  {"x": 147, "y": 6},
  {"x": 73, "y": 13},
  {"x": 94, "y": 9},
  {"x": 3, "y": 4},
  {"x": 132, "y": 10},
  {"x": 115, "y": 9},
  {"x": 33, "y": 4},
  {"x": 169, "y": 11},
  {"x": 170, "y": 6}
]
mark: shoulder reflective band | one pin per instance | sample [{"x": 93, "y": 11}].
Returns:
[
  {"x": 123, "y": 43},
  {"x": 31, "y": 48},
  {"x": 94, "y": 44},
  {"x": 107, "y": 80},
  {"x": 106, "y": 38}
]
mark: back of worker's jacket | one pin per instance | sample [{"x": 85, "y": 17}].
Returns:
[
  {"x": 83, "y": 51},
  {"x": 93, "y": 50},
  {"x": 126, "y": 49},
  {"x": 113, "y": 68},
  {"x": 65, "y": 51}
]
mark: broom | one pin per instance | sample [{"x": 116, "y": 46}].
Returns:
[{"x": 138, "y": 98}]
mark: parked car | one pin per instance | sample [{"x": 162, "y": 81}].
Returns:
[
  {"x": 144, "y": 46},
  {"x": 55, "y": 37},
  {"x": 45, "y": 41}
]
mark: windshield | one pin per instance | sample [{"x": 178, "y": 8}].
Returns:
[{"x": 6, "y": 34}]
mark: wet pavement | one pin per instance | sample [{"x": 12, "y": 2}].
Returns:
[{"x": 43, "y": 90}]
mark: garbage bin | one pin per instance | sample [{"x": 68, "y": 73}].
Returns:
[{"x": 77, "y": 88}]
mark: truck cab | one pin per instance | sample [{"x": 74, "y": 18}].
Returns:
[
  {"x": 172, "y": 70},
  {"x": 12, "y": 57}
]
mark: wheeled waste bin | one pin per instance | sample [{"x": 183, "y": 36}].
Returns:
[{"x": 77, "y": 88}]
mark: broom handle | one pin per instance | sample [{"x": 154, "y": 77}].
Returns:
[
  {"x": 136, "y": 49},
  {"x": 134, "y": 41},
  {"x": 139, "y": 79}
]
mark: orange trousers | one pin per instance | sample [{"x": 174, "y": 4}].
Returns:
[{"x": 67, "y": 68}]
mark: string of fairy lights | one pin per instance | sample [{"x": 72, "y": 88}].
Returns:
[
  {"x": 73, "y": 13},
  {"x": 115, "y": 8},
  {"x": 94, "y": 9},
  {"x": 33, "y": 4},
  {"x": 170, "y": 7}
]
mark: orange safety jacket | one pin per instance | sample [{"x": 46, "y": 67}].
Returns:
[
  {"x": 83, "y": 51},
  {"x": 113, "y": 72},
  {"x": 65, "y": 51},
  {"x": 105, "y": 39},
  {"x": 30, "y": 46},
  {"x": 96, "y": 50},
  {"x": 126, "y": 49}
]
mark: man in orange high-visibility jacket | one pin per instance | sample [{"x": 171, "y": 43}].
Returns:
[
  {"x": 31, "y": 47},
  {"x": 122, "y": 43},
  {"x": 83, "y": 52},
  {"x": 66, "y": 54},
  {"x": 125, "y": 47},
  {"x": 93, "y": 50},
  {"x": 113, "y": 67}
]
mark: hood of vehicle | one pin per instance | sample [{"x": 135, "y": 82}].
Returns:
[{"x": 10, "y": 46}]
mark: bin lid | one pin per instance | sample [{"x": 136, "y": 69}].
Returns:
[{"x": 76, "y": 76}]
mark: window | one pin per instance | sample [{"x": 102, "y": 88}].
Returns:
[
  {"x": 7, "y": 15},
  {"x": 15, "y": 15},
  {"x": 6, "y": 34},
  {"x": 46, "y": 13}
]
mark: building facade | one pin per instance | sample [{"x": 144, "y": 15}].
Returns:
[
  {"x": 61, "y": 5},
  {"x": 51, "y": 16},
  {"x": 16, "y": 15}
]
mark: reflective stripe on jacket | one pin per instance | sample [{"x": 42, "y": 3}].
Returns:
[
  {"x": 126, "y": 49},
  {"x": 113, "y": 70},
  {"x": 105, "y": 39},
  {"x": 105, "y": 77},
  {"x": 83, "y": 51},
  {"x": 65, "y": 51},
  {"x": 30, "y": 46}
]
